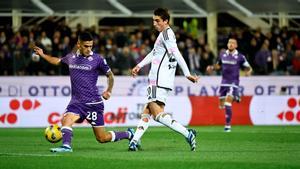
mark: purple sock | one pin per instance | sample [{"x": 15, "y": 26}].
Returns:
[
  {"x": 228, "y": 115},
  {"x": 120, "y": 135},
  {"x": 67, "y": 135}
]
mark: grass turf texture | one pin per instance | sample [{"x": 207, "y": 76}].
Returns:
[{"x": 253, "y": 147}]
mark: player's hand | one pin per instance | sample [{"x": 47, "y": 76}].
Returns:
[
  {"x": 210, "y": 69},
  {"x": 135, "y": 71},
  {"x": 248, "y": 73},
  {"x": 193, "y": 78},
  {"x": 106, "y": 95},
  {"x": 38, "y": 51}
]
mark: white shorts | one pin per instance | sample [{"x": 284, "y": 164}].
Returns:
[{"x": 155, "y": 93}]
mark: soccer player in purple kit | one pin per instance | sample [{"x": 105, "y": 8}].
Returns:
[
  {"x": 86, "y": 102},
  {"x": 230, "y": 62}
]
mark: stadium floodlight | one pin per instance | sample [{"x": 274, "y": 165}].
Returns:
[
  {"x": 120, "y": 7},
  {"x": 240, "y": 7},
  {"x": 194, "y": 6},
  {"x": 43, "y": 7}
]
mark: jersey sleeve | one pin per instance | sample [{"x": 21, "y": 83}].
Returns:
[
  {"x": 146, "y": 60},
  {"x": 244, "y": 62},
  {"x": 66, "y": 59},
  {"x": 169, "y": 40},
  {"x": 103, "y": 66}
]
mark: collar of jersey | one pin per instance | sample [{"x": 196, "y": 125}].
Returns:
[
  {"x": 234, "y": 53},
  {"x": 78, "y": 53}
]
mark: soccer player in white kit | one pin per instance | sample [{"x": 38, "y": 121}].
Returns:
[{"x": 163, "y": 58}]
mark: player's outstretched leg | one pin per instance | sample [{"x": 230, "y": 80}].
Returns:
[
  {"x": 191, "y": 139},
  {"x": 189, "y": 134},
  {"x": 67, "y": 133},
  {"x": 119, "y": 135}
]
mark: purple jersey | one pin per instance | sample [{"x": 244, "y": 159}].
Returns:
[
  {"x": 84, "y": 73},
  {"x": 231, "y": 65}
]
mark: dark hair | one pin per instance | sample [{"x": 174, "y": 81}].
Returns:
[
  {"x": 85, "y": 36},
  {"x": 163, "y": 13},
  {"x": 234, "y": 38}
]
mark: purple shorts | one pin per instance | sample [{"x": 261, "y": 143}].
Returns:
[
  {"x": 93, "y": 113},
  {"x": 230, "y": 91}
]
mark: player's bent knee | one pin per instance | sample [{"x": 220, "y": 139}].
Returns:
[
  {"x": 145, "y": 117},
  {"x": 145, "y": 120}
]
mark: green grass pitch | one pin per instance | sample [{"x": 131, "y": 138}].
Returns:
[{"x": 246, "y": 147}]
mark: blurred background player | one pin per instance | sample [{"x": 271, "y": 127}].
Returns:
[
  {"x": 230, "y": 62},
  {"x": 163, "y": 58},
  {"x": 86, "y": 102}
]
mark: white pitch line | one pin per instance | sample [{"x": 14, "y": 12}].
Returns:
[{"x": 26, "y": 154}]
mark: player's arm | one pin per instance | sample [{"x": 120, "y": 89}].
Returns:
[
  {"x": 48, "y": 58},
  {"x": 110, "y": 83},
  {"x": 173, "y": 50},
  {"x": 185, "y": 69},
  {"x": 248, "y": 71},
  {"x": 247, "y": 67},
  {"x": 212, "y": 68},
  {"x": 144, "y": 62}
]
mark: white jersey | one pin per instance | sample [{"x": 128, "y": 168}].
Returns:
[{"x": 164, "y": 58}]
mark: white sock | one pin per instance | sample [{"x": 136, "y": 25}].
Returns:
[
  {"x": 113, "y": 136},
  {"x": 167, "y": 120},
  {"x": 141, "y": 127}
]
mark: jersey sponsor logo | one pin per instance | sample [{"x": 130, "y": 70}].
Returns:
[
  {"x": 230, "y": 62},
  {"x": 172, "y": 58},
  {"x": 81, "y": 67},
  {"x": 172, "y": 66}
]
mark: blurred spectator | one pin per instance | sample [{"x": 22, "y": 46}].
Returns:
[
  {"x": 46, "y": 42},
  {"x": 64, "y": 29},
  {"x": 120, "y": 37},
  {"x": 3, "y": 69},
  {"x": 296, "y": 41},
  {"x": 296, "y": 63},
  {"x": 262, "y": 57},
  {"x": 125, "y": 62},
  {"x": 142, "y": 54},
  {"x": 277, "y": 66},
  {"x": 207, "y": 58},
  {"x": 49, "y": 26},
  {"x": 3, "y": 39},
  {"x": 115, "y": 42},
  {"x": 193, "y": 61}
]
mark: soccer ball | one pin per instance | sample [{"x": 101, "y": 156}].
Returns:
[{"x": 53, "y": 133}]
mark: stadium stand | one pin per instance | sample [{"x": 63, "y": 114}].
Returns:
[{"x": 275, "y": 51}]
